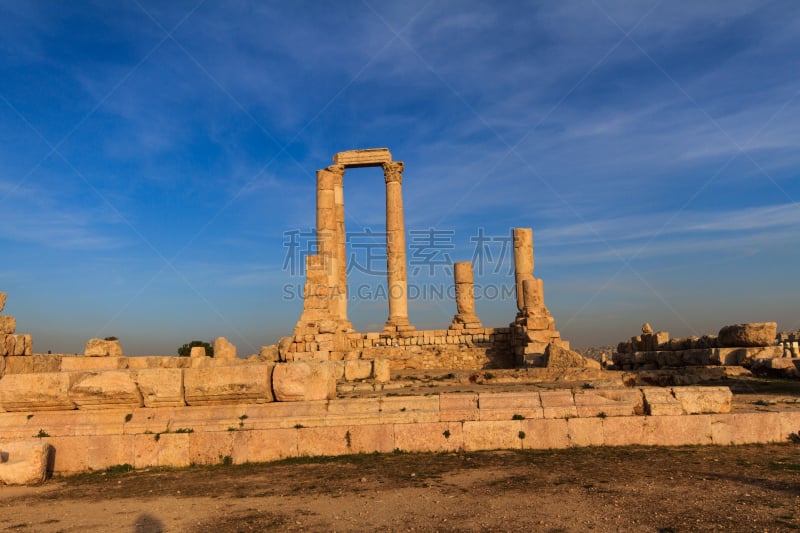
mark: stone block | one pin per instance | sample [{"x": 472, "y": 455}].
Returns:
[
  {"x": 210, "y": 447},
  {"x": 744, "y": 356},
  {"x": 228, "y": 385},
  {"x": 364, "y": 157},
  {"x": 746, "y": 428},
  {"x": 77, "y": 363},
  {"x": 303, "y": 381},
  {"x": 269, "y": 353},
  {"x": 558, "y": 357},
  {"x": 545, "y": 434},
  {"x": 105, "y": 390},
  {"x": 558, "y": 404},
  {"x": 23, "y": 346},
  {"x": 173, "y": 449},
  {"x": 36, "y": 392},
  {"x": 696, "y": 400},
  {"x": 357, "y": 369},
  {"x": 660, "y": 401},
  {"x": 103, "y": 348},
  {"x": 160, "y": 387},
  {"x": 198, "y": 351},
  {"x": 591, "y": 404},
  {"x": 2, "y": 301},
  {"x": 510, "y": 405},
  {"x": 682, "y": 430},
  {"x": 24, "y": 462},
  {"x": 71, "y": 453},
  {"x": 270, "y": 445},
  {"x": 8, "y": 325},
  {"x": 145, "y": 450},
  {"x": 585, "y": 431},
  {"x": 353, "y": 411},
  {"x": 109, "y": 450},
  {"x": 409, "y": 409},
  {"x": 429, "y": 437},
  {"x": 624, "y": 396},
  {"x": 23, "y": 365},
  {"x": 492, "y": 435},
  {"x": 381, "y": 370},
  {"x": 748, "y": 335},
  {"x": 624, "y": 430},
  {"x": 458, "y": 407},
  {"x": 223, "y": 349}
]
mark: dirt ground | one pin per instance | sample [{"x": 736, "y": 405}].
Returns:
[{"x": 741, "y": 488}]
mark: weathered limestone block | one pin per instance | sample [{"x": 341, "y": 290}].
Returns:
[
  {"x": 785, "y": 366},
  {"x": 103, "y": 348},
  {"x": 198, "y": 351},
  {"x": 8, "y": 325},
  {"x": 76, "y": 363},
  {"x": 228, "y": 384},
  {"x": 593, "y": 403},
  {"x": 510, "y": 405},
  {"x": 2, "y": 301},
  {"x": 24, "y": 462},
  {"x": 744, "y": 356},
  {"x": 558, "y": 357},
  {"x": 558, "y": 404},
  {"x": 37, "y": 392},
  {"x": 696, "y": 400},
  {"x": 160, "y": 387},
  {"x": 747, "y": 335},
  {"x": 303, "y": 381},
  {"x": 660, "y": 401},
  {"x": 20, "y": 345},
  {"x": 364, "y": 157},
  {"x": 2, "y": 366},
  {"x": 381, "y": 370},
  {"x": 269, "y": 353},
  {"x": 358, "y": 369},
  {"x": 30, "y": 364},
  {"x": 223, "y": 349},
  {"x": 105, "y": 390}
]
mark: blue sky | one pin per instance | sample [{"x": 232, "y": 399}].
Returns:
[{"x": 155, "y": 157}]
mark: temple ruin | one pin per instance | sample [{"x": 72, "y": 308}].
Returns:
[{"x": 100, "y": 409}]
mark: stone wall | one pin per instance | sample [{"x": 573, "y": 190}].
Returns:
[
  {"x": 457, "y": 349},
  {"x": 251, "y": 432}
]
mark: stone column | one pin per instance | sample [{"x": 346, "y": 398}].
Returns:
[
  {"x": 532, "y": 291},
  {"x": 465, "y": 296},
  {"x": 523, "y": 261},
  {"x": 340, "y": 248},
  {"x": 326, "y": 232},
  {"x": 395, "y": 249}
]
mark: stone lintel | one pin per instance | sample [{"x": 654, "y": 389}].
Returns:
[{"x": 368, "y": 157}]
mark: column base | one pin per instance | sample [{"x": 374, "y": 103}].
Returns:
[
  {"x": 461, "y": 322},
  {"x": 397, "y": 325}
]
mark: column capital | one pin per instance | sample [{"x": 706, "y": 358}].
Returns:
[
  {"x": 336, "y": 169},
  {"x": 393, "y": 171}
]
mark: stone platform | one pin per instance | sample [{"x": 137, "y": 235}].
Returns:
[{"x": 248, "y": 432}]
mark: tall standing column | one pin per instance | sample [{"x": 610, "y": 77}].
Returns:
[
  {"x": 523, "y": 261},
  {"x": 340, "y": 249},
  {"x": 395, "y": 248},
  {"x": 326, "y": 234}
]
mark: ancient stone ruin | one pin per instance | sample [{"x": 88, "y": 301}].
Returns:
[
  {"x": 755, "y": 346},
  {"x": 71, "y": 413}
]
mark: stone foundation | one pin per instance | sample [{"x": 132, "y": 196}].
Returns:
[
  {"x": 175, "y": 437},
  {"x": 453, "y": 348}
]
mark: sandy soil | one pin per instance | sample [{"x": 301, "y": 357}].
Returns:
[{"x": 743, "y": 488}]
